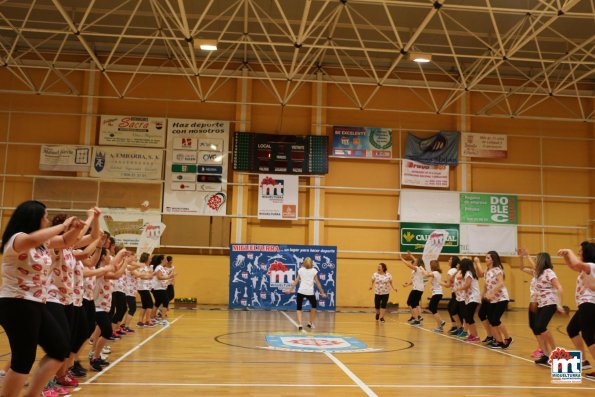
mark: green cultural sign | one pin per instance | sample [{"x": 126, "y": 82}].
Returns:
[
  {"x": 489, "y": 208},
  {"x": 415, "y": 235}
]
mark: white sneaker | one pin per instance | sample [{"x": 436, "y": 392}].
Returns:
[
  {"x": 106, "y": 350},
  {"x": 311, "y": 326},
  {"x": 164, "y": 322}
]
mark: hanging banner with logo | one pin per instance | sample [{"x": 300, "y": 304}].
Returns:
[
  {"x": 489, "y": 208},
  {"x": 479, "y": 239},
  {"x": 484, "y": 145},
  {"x": 260, "y": 273},
  {"x": 442, "y": 148},
  {"x": 433, "y": 247},
  {"x": 65, "y": 158},
  {"x": 362, "y": 142},
  {"x": 196, "y": 167},
  {"x": 127, "y": 225},
  {"x": 414, "y": 237},
  {"x": 132, "y": 131},
  {"x": 414, "y": 173},
  {"x": 278, "y": 196},
  {"x": 150, "y": 238},
  {"x": 126, "y": 163}
]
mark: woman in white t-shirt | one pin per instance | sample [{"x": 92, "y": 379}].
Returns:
[
  {"x": 417, "y": 282},
  {"x": 26, "y": 263},
  {"x": 435, "y": 276},
  {"x": 307, "y": 277},
  {"x": 529, "y": 268},
  {"x": 549, "y": 299},
  {"x": 583, "y": 321},
  {"x": 456, "y": 317},
  {"x": 382, "y": 282},
  {"x": 470, "y": 286}
]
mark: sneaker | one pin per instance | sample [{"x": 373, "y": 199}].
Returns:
[
  {"x": 102, "y": 362},
  {"x": 411, "y": 320},
  {"x": 61, "y": 391},
  {"x": 472, "y": 338},
  {"x": 415, "y": 322},
  {"x": 543, "y": 360},
  {"x": 495, "y": 345},
  {"x": 121, "y": 332},
  {"x": 77, "y": 372},
  {"x": 49, "y": 392},
  {"x": 454, "y": 331},
  {"x": 420, "y": 319},
  {"x": 95, "y": 365},
  {"x": 77, "y": 364},
  {"x": 128, "y": 329},
  {"x": 300, "y": 328},
  {"x": 590, "y": 375},
  {"x": 438, "y": 329},
  {"x": 463, "y": 335},
  {"x": 140, "y": 325},
  {"x": 311, "y": 326},
  {"x": 537, "y": 353},
  {"x": 106, "y": 350},
  {"x": 506, "y": 343},
  {"x": 586, "y": 364},
  {"x": 488, "y": 340},
  {"x": 164, "y": 322},
  {"x": 149, "y": 324},
  {"x": 382, "y": 320},
  {"x": 377, "y": 316},
  {"x": 66, "y": 380},
  {"x": 115, "y": 335}
]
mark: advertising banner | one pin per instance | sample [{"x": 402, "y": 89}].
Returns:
[
  {"x": 260, "y": 273},
  {"x": 442, "y": 148},
  {"x": 362, "y": 142},
  {"x": 278, "y": 196},
  {"x": 414, "y": 173},
  {"x": 196, "y": 167},
  {"x": 132, "y": 131},
  {"x": 150, "y": 238},
  {"x": 489, "y": 208},
  {"x": 484, "y": 145},
  {"x": 127, "y": 163},
  {"x": 414, "y": 236},
  {"x": 65, "y": 158},
  {"x": 128, "y": 225},
  {"x": 479, "y": 239}
]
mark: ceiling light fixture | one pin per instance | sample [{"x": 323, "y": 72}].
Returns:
[
  {"x": 206, "y": 44},
  {"x": 420, "y": 57}
]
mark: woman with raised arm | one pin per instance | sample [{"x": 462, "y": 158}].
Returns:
[
  {"x": 382, "y": 282},
  {"x": 417, "y": 282},
  {"x": 26, "y": 263},
  {"x": 470, "y": 286},
  {"x": 453, "y": 306},
  {"x": 529, "y": 268},
  {"x": 435, "y": 275},
  {"x": 307, "y": 277},
  {"x": 145, "y": 282}
]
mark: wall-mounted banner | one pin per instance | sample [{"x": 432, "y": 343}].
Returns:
[
  {"x": 362, "y": 142},
  {"x": 126, "y": 163},
  {"x": 132, "y": 131},
  {"x": 433, "y": 247},
  {"x": 150, "y": 238},
  {"x": 196, "y": 167},
  {"x": 415, "y": 235},
  {"x": 489, "y": 208},
  {"x": 479, "y": 239},
  {"x": 484, "y": 145},
  {"x": 278, "y": 196},
  {"x": 414, "y": 173},
  {"x": 259, "y": 273},
  {"x": 416, "y": 205},
  {"x": 127, "y": 225},
  {"x": 65, "y": 158},
  {"x": 442, "y": 148}
]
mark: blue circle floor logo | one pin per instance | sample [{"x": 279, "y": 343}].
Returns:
[{"x": 317, "y": 343}]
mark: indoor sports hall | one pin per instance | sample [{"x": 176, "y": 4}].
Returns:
[{"x": 297, "y": 198}]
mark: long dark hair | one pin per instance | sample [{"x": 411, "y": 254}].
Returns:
[
  {"x": 544, "y": 261},
  {"x": 383, "y": 265},
  {"x": 26, "y": 218},
  {"x": 588, "y": 251},
  {"x": 467, "y": 266},
  {"x": 496, "y": 261},
  {"x": 454, "y": 261},
  {"x": 156, "y": 261}
]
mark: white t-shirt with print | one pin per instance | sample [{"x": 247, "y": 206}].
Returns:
[
  {"x": 160, "y": 284},
  {"x": 382, "y": 283},
  {"x": 103, "y": 294},
  {"x": 61, "y": 278},
  {"x": 545, "y": 290},
  {"x": 417, "y": 279},
  {"x": 306, "y": 280},
  {"x": 491, "y": 278},
  {"x": 583, "y": 293},
  {"x": 460, "y": 295},
  {"x": 144, "y": 284},
  {"x": 473, "y": 293},
  {"x": 79, "y": 284},
  {"x": 436, "y": 286}
]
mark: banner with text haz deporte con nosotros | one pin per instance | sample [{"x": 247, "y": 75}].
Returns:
[{"x": 260, "y": 273}]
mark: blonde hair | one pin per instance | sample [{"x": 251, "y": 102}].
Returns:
[{"x": 308, "y": 263}]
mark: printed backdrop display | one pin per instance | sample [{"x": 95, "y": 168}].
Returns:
[
  {"x": 414, "y": 237},
  {"x": 196, "y": 167},
  {"x": 485, "y": 145},
  {"x": 132, "y": 131},
  {"x": 442, "y": 148},
  {"x": 127, "y": 163},
  {"x": 126, "y": 226},
  {"x": 414, "y": 173},
  {"x": 363, "y": 142},
  {"x": 65, "y": 158},
  {"x": 489, "y": 208},
  {"x": 259, "y": 273},
  {"x": 278, "y": 196},
  {"x": 150, "y": 238}
]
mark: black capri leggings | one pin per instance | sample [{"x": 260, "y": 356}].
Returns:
[
  {"x": 461, "y": 310},
  {"x": 79, "y": 328},
  {"x": 146, "y": 299},
  {"x": 583, "y": 322},
  {"x": 380, "y": 301},
  {"x": 28, "y": 324},
  {"x": 484, "y": 309},
  {"x": 171, "y": 292},
  {"x": 495, "y": 312},
  {"x": 160, "y": 298},
  {"x": 532, "y": 320},
  {"x": 542, "y": 318},
  {"x": 452, "y": 308},
  {"x": 89, "y": 307},
  {"x": 104, "y": 322},
  {"x": 131, "y": 303},
  {"x": 434, "y": 300},
  {"x": 59, "y": 312},
  {"x": 119, "y": 308},
  {"x": 300, "y": 300},
  {"x": 470, "y": 309},
  {"x": 414, "y": 298}
]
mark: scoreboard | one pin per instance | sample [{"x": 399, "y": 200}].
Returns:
[{"x": 282, "y": 154}]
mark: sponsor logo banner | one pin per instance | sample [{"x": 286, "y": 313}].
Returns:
[
  {"x": 442, "y": 148},
  {"x": 132, "y": 131},
  {"x": 278, "y": 196},
  {"x": 566, "y": 366},
  {"x": 484, "y": 145},
  {"x": 489, "y": 208},
  {"x": 414, "y": 173},
  {"x": 128, "y": 225},
  {"x": 414, "y": 236},
  {"x": 126, "y": 163},
  {"x": 317, "y": 343},
  {"x": 65, "y": 158},
  {"x": 185, "y": 157},
  {"x": 362, "y": 142}
]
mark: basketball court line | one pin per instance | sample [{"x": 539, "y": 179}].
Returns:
[
  {"x": 342, "y": 366},
  {"x": 500, "y": 351},
  {"x": 345, "y": 386},
  {"x": 129, "y": 352}
]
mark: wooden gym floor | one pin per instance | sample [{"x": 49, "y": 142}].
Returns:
[{"x": 223, "y": 353}]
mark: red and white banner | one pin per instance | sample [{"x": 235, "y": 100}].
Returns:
[{"x": 426, "y": 175}]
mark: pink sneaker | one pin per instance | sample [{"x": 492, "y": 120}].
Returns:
[
  {"x": 67, "y": 381},
  {"x": 472, "y": 338},
  {"x": 47, "y": 392},
  {"x": 61, "y": 391},
  {"x": 537, "y": 353}
]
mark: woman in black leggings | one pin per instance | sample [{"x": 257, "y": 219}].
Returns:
[
  {"x": 453, "y": 311},
  {"x": 23, "y": 314}
]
